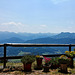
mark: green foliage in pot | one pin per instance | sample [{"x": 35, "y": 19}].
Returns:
[
  {"x": 28, "y": 59},
  {"x": 54, "y": 61}
]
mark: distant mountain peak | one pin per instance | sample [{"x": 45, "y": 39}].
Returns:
[{"x": 65, "y": 33}]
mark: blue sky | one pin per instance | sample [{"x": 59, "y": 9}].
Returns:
[{"x": 34, "y": 16}]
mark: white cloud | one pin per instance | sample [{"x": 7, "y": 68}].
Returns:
[
  {"x": 13, "y": 27},
  {"x": 58, "y": 1},
  {"x": 12, "y": 23}
]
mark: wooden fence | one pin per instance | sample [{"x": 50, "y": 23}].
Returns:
[{"x": 30, "y": 45}]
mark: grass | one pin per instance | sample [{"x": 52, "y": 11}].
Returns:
[{"x": 13, "y": 64}]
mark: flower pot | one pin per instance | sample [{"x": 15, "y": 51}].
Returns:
[
  {"x": 63, "y": 68},
  {"x": 27, "y": 67},
  {"x": 57, "y": 66},
  {"x": 39, "y": 61},
  {"x": 71, "y": 62},
  {"x": 39, "y": 64},
  {"x": 46, "y": 68},
  {"x": 54, "y": 66}
]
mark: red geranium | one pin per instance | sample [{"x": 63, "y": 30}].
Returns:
[{"x": 47, "y": 61}]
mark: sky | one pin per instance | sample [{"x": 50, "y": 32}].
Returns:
[{"x": 37, "y": 16}]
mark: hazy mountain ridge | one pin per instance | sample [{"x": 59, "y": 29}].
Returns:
[
  {"x": 62, "y": 38},
  {"x": 51, "y": 40},
  {"x": 65, "y": 35},
  {"x": 12, "y": 40},
  {"x": 9, "y": 36}
]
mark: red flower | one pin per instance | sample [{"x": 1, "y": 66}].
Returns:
[{"x": 47, "y": 60}]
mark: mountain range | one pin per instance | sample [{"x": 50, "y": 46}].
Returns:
[
  {"x": 11, "y": 37},
  {"x": 52, "y": 40},
  {"x": 63, "y": 37}
]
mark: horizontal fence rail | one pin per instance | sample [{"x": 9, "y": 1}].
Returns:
[
  {"x": 31, "y": 45},
  {"x": 39, "y": 45}
]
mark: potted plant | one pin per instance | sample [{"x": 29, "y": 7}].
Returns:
[
  {"x": 47, "y": 64},
  {"x": 27, "y": 61},
  {"x": 64, "y": 61},
  {"x": 39, "y": 60},
  {"x": 54, "y": 63},
  {"x": 70, "y": 54}
]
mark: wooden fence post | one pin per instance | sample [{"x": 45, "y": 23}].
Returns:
[
  {"x": 72, "y": 64},
  {"x": 4, "y": 56},
  {"x": 70, "y": 47}
]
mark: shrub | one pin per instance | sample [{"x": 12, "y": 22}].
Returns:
[
  {"x": 28, "y": 59},
  {"x": 54, "y": 61}
]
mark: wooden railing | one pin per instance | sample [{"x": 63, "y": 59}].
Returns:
[{"x": 31, "y": 45}]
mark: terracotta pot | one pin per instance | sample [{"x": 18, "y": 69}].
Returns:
[
  {"x": 71, "y": 62},
  {"x": 27, "y": 67},
  {"x": 39, "y": 61},
  {"x": 63, "y": 68}
]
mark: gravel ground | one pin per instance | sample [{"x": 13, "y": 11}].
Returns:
[
  {"x": 6, "y": 71},
  {"x": 19, "y": 71}
]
